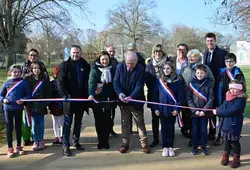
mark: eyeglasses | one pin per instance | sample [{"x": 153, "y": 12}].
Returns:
[{"x": 229, "y": 61}]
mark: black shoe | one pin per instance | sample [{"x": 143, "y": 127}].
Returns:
[
  {"x": 99, "y": 146},
  {"x": 112, "y": 133},
  {"x": 66, "y": 151},
  {"x": 106, "y": 146},
  {"x": 56, "y": 141},
  {"x": 211, "y": 136},
  {"x": 218, "y": 141},
  {"x": 79, "y": 147},
  {"x": 27, "y": 143},
  {"x": 154, "y": 143}
]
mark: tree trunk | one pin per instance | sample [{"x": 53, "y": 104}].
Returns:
[{"x": 8, "y": 55}]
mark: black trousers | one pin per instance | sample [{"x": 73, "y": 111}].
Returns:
[
  {"x": 155, "y": 125},
  {"x": 112, "y": 117},
  {"x": 187, "y": 120},
  {"x": 235, "y": 144},
  {"x": 9, "y": 116},
  {"x": 103, "y": 124},
  {"x": 67, "y": 126}
]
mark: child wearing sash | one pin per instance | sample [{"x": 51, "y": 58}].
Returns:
[
  {"x": 14, "y": 89},
  {"x": 56, "y": 110},
  {"x": 200, "y": 96},
  {"x": 169, "y": 90},
  {"x": 232, "y": 110},
  {"x": 41, "y": 88}
]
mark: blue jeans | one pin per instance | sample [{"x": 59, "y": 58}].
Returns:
[
  {"x": 167, "y": 131},
  {"x": 199, "y": 128},
  {"x": 37, "y": 129},
  {"x": 67, "y": 126}
]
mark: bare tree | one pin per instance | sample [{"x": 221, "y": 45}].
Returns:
[
  {"x": 132, "y": 19},
  {"x": 17, "y": 15},
  {"x": 236, "y": 12}
]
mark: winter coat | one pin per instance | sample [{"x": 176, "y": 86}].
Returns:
[
  {"x": 22, "y": 91},
  {"x": 135, "y": 83},
  {"x": 43, "y": 92},
  {"x": 232, "y": 112},
  {"x": 206, "y": 88},
  {"x": 161, "y": 96},
  {"x": 68, "y": 85},
  {"x": 56, "y": 108},
  {"x": 107, "y": 93},
  {"x": 224, "y": 81}
]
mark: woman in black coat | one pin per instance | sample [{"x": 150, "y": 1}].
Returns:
[{"x": 101, "y": 89}]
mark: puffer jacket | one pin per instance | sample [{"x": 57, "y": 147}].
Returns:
[{"x": 205, "y": 87}]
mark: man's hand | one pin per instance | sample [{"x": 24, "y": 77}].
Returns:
[
  {"x": 122, "y": 97},
  {"x": 175, "y": 113},
  {"x": 197, "y": 113},
  {"x": 157, "y": 113},
  {"x": 127, "y": 98}
]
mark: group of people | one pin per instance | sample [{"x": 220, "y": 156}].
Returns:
[{"x": 210, "y": 85}]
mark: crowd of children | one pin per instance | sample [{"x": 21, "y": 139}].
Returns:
[{"x": 168, "y": 89}]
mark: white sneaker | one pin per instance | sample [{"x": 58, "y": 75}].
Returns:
[
  {"x": 171, "y": 152},
  {"x": 165, "y": 152}
]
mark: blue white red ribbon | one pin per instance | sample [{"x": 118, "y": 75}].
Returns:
[
  {"x": 170, "y": 94},
  {"x": 196, "y": 92},
  {"x": 230, "y": 75},
  {"x": 13, "y": 87},
  {"x": 27, "y": 118},
  {"x": 37, "y": 87}
]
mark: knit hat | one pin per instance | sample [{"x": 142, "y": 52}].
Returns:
[{"x": 56, "y": 71}]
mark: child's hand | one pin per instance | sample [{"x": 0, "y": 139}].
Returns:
[
  {"x": 197, "y": 113},
  {"x": 174, "y": 113},
  {"x": 157, "y": 113},
  {"x": 5, "y": 101},
  {"x": 19, "y": 102},
  {"x": 91, "y": 97},
  {"x": 214, "y": 112},
  {"x": 202, "y": 114}
]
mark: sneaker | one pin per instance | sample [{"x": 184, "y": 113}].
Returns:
[
  {"x": 19, "y": 150},
  {"x": 10, "y": 153},
  {"x": 79, "y": 147},
  {"x": 41, "y": 145},
  {"x": 66, "y": 151},
  {"x": 194, "y": 151},
  {"x": 165, "y": 152},
  {"x": 171, "y": 152},
  {"x": 56, "y": 141},
  {"x": 35, "y": 146},
  {"x": 204, "y": 151}
]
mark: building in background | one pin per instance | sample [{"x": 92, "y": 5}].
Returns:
[{"x": 242, "y": 50}]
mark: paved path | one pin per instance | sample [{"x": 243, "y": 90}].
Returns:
[{"x": 90, "y": 159}]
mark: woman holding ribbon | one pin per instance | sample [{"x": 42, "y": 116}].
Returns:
[
  {"x": 41, "y": 88},
  {"x": 14, "y": 89},
  {"x": 168, "y": 90},
  {"x": 153, "y": 69},
  {"x": 101, "y": 89}
]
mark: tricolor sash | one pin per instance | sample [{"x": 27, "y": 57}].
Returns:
[
  {"x": 10, "y": 89},
  {"x": 36, "y": 88},
  {"x": 170, "y": 94},
  {"x": 230, "y": 75},
  {"x": 197, "y": 92},
  {"x": 26, "y": 116}
]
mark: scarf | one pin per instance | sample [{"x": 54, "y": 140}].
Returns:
[
  {"x": 158, "y": 65},
  {"x": 106, "y": 74},
  {"x": 230, "y": 97},
  {"x": 169, "y": 79}
]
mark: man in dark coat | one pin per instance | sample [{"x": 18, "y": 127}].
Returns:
[
  {"x": 129, "y": 83},
  {"x": 73, "y": 83},
  {"x": 214, "y": 58}
]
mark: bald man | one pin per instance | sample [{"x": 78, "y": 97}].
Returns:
[{"x": 128, "y": 83}]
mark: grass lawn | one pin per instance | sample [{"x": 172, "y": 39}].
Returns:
[{"x": 246, "y": 71}]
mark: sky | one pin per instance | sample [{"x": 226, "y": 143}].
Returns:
[{"x": 193, "y": 13}]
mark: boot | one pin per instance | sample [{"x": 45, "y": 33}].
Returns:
[
  {"x": 236, "y": 161},
  {"x": 225, "y": 158}
]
